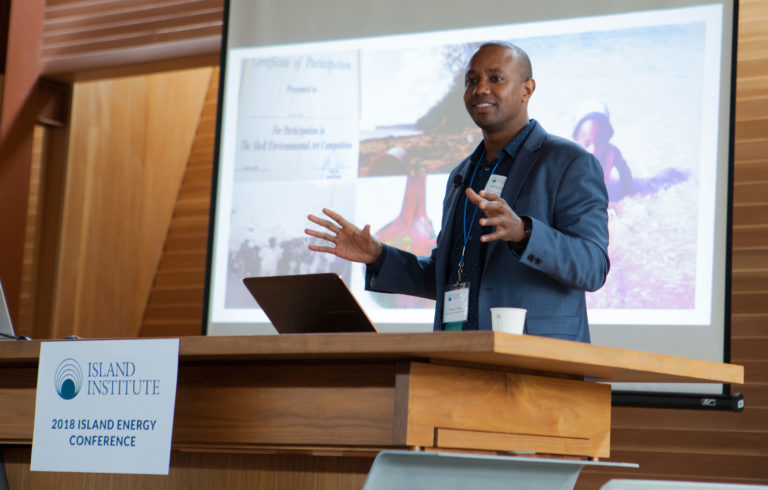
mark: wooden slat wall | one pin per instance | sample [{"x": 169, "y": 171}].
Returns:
[
  {"x": 690, "y": 445},
  {"x": 129, "y": 146},
  {"x": 175, "y": 306},
  {"x": 192, "y": 470},
  {"x": 31, "y": 240},
  {"x": 88, "y": 34},
  {"x": 668, "y": 444}
]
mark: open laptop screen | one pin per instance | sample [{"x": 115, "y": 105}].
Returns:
[{"x": 309, "y": 303}]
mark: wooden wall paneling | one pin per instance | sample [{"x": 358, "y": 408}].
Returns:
[
  {"x": 750, "y": 281},
  {"x": 95, "y": 34},
  {"x": 44, "y": 198},
  {"x": 661, "y": 465},
  {"x": 175, "y": 306},
  {"x": 32, "y": 236},
  {"x": 749, "y": 325},
  {"x": 733, "y": 442},
  {"x": 706, "y": 446},
  {"x": 113, "y": 42},
  {"x": 755, "y": 419},
  {"x": 82, "y": 30},
  {"x": 751, "y": 215},
  {"x": 755, "y": 109},
  {"x": 712, "y": 466},
  {"x": 91, "y": 124},
  {"x": 5, "y": 12},
  {"x": 687, "y": 445},
  {"x": 193, "y": 470},
  {"x": 129, "y": 145},
  {"x": 167, "y": 144},
  {"x": 19, "y": 106},
  {"x": 51, "y": 194},
  {"x": 757, "y": 394},
  {"x": 681, "y": 444},
  {"x": 749, "y": 258}
]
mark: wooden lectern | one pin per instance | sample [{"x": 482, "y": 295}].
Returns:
[{"x": 311, "y": 411}]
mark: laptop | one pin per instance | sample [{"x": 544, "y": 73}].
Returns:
[
  {"x": 6, "y": 327},
  {"x": 309, "y": 303}
]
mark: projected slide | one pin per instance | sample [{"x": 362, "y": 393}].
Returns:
[{"x": 371, "y": 128}]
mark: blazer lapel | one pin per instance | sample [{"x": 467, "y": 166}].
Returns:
[
  {"x": 518, "y": 174},
  {"x": 454, "y": 196},
  {"x": 452, "y": 201}
]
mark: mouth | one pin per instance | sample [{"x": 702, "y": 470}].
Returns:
[{"x": 483, "y": 106}]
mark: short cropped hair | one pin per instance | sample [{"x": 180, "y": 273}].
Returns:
[{"x": 516, "y": 53}]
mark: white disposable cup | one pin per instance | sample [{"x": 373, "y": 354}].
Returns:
[{"x": 508, "y": 320}]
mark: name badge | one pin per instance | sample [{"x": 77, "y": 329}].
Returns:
[
  {"x": 456, "y": 303},
  {"x": 495, "y": 184}
]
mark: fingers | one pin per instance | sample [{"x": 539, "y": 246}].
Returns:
[
  {"x": 332, "y": 227},
  {"x": 340, "y": 224},
  {"x": 345, "y": 240},
  {"x": 492, "y": 206},
  {"x": 324, "y": 223},
  {"x": 320, "y": 248},
  {"x": 503, "y": 227},
  {"x": 486, "y": 201},
  {"x": 495, "y": 221},
  {"x": 337, "y": 218},
  {"x": 498, "y": 214},
  {"x": 496, "y": 235},
  {"x": 319, "y": 234},
  {"x": 490, "y": 196},
  {"x": 477, "y": 197},
  {"x": 502, "y": 232},
  {"x": 474, "y": 197},
  {"x": 323, "y": 236}
]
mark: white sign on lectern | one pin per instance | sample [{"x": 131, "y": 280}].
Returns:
[{"x": 105, "y": 406}]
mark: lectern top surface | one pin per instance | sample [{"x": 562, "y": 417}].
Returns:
[
  {"x": 524, "y": 352},
  {"x": 516, "y": 352}
]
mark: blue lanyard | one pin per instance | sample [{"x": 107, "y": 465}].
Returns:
[{"x": 474, "y": 215}]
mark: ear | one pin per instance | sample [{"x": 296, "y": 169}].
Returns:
[{"x": 528, "y": 87}]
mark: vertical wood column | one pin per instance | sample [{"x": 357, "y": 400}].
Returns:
[
  {"x": 18, "y": 113},
  {"x": 130, "y": 140}
]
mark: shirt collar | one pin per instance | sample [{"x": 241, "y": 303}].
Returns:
[{"x": 511, "y": 149}]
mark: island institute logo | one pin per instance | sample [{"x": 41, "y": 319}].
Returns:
[{"x": 69, "y": 378}]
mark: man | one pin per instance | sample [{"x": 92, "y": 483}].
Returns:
[{"x": 524, "y": 218}]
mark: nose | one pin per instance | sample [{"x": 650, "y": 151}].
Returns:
[{"x": 481, "y": 87}]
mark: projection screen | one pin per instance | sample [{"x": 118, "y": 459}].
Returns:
[{"x": 356, "y": 106}]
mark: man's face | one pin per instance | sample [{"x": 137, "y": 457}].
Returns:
[{"x": 496, "y": 94}]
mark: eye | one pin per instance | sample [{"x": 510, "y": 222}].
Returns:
[
  {"x": 470, "y": 81},
  {"x": 497, "y": 78}
]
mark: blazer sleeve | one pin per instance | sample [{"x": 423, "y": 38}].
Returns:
[
  {"x": 573, "y": 248},
  {"x": 402, "y": 272}
]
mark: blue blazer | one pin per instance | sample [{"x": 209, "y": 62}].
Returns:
[{"x": 560, "y": 187}]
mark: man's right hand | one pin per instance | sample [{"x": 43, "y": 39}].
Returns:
[{"x": 349, "y": 242}]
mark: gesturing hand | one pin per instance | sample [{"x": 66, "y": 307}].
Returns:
[
  {"x": 509, "y": 226},
  {"x": 349, "y": 242}
]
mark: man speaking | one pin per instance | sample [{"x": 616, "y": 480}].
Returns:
[{"x": 524, "y": 223}]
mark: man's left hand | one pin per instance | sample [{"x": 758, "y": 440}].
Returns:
[{"x": 509, "y": 226}]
